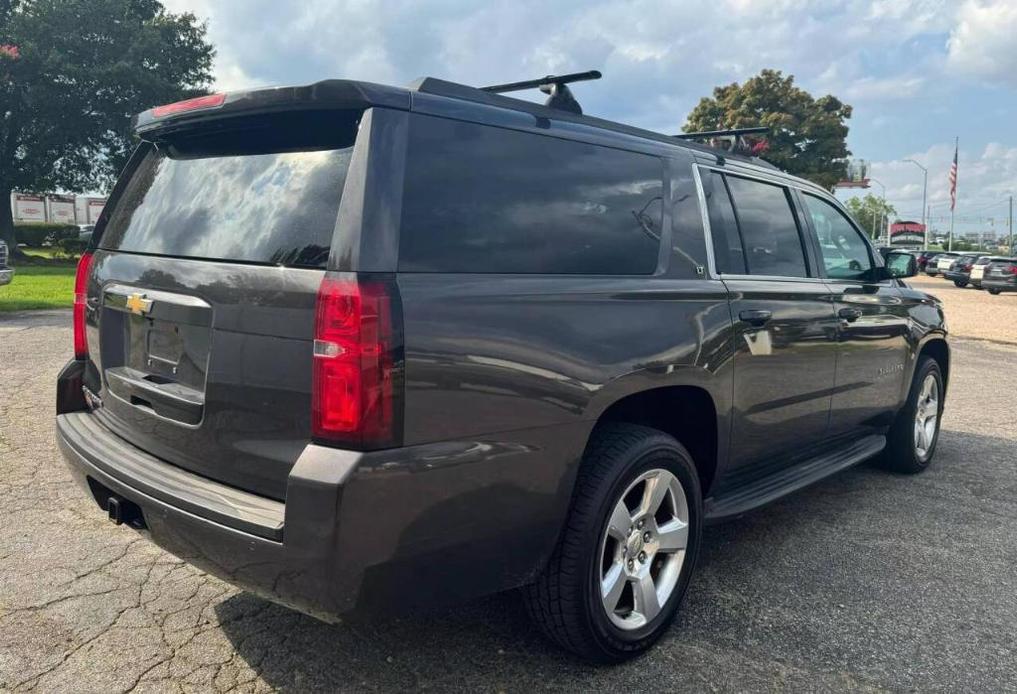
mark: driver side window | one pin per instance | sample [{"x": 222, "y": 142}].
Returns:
[{"x": 845, "y": 252}]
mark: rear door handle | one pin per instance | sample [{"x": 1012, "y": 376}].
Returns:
[
  {"x": 755, "y": 316},
  {"x": 850, "y": 314}
]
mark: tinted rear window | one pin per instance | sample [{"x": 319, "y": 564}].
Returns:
[
  {"x": 769, "y": 231},
  {"x": 485, "y": 199},
  {"x": 267, "y": 192}
]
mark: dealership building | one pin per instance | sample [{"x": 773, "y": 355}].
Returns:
[{"x": 53, "y": 208}]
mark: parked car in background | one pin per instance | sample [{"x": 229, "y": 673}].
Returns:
[
  {"x": 978, "y": 269},
  {"x": 940, "y": 263},
  {"x": 1000, "y": 276},
  {"x": 6, "y": 271},
  {"x": 465, "y": 354},
  {"x": 922, "y": 258},
  {"x": 959, "y": 270}
]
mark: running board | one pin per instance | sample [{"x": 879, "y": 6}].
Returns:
[{"x": 748, "y": 497}]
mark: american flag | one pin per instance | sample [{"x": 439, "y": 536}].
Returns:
[{"x": 953, "y": 178}]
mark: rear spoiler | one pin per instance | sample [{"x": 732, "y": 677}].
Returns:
[{"x": 160, "y": 121}]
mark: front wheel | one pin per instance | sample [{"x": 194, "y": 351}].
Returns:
[
  {"x": 912, "y": 440},
  {"x": 960, "y": 283},
  {"x": 623, "y": 562},
  {"x": 994, "y": 292}
]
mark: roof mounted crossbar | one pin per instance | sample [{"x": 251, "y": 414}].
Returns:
[{"x": 555, "y": 86}]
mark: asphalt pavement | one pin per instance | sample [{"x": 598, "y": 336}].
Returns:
[{"x": 866, "y": 581}]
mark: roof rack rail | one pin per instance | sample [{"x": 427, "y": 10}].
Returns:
[
  {"x": 734, "y": 132},
  {"x": 555, "y": 86},
  {"x": 735, "y": 137}
]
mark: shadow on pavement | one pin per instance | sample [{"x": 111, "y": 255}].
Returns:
[{"x": 818, "y": 587}]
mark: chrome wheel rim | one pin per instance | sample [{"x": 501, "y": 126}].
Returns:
[
  {"x": 926, "y": 416},
  {"x": 643, "y": 549}
]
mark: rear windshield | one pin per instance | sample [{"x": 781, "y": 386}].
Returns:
[{"x": 264, "y": 191}]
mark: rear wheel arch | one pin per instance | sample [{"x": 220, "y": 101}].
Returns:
[{"x": 687, "y": 413}]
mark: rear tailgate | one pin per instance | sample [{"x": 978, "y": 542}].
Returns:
[
  {"x": 203, "y": 294},
  {"x": 1000, "y": 272}
]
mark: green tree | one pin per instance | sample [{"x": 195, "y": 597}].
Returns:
[
  {"x": 72, "y": 73},
  {"x": 807, "y": 135},
  {"x": 872, "y": 213}
]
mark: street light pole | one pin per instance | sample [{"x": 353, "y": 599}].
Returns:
[
  {"x": 925, "y": 193},
  {"x": 879, "y": 231}
]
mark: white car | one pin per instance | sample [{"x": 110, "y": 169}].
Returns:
[
  {"x": 944, "y": 261},
  {"x": 978, "y": 268}
]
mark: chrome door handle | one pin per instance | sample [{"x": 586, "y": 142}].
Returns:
[
  {"x": 755, "y": 317},
  {"x": 850, "y": 314}
]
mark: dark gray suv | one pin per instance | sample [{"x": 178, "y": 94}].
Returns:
[{"x": 351, "y": 346}]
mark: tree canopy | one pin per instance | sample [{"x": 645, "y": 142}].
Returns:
[
  {"x": 72, "y": 73},
  {"x": 807, "y": 135},
  {"x": 872, "y": 213}
]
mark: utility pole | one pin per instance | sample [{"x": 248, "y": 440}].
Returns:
[
  {"x": 925, "y": 196},
  {"x": 1010, "y": 225},
  {"x": 876, "y": 230}
]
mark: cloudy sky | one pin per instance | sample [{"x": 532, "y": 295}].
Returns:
[{"x": 918, "y": 72}]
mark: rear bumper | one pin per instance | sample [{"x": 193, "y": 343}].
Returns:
[
  {"x": 956, "y": 276},
  {"x": 999, "y": 285},
  {"x": 6, "y": 275},
  {"x": 284, "y": 552},
  {"x": 425, "y": 525}
]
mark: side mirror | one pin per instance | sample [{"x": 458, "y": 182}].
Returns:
[{"x": 900, "y": 264}]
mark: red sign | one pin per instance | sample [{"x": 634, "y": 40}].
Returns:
[{"x": 907, "y": 233}]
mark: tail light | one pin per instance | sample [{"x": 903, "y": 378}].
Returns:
[
  {"x": 357, "y": 362},
  {"x": 966, "y": 267},
  {"x": 1012, "y": 269},
  {"x": 80, "y": 295}
]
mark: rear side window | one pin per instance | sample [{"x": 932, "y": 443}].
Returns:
[
  {"x": 727, "y": 246},
  {"x": 259, "y": 192},
  {"x": 490, "y": 200},
  {"x": 770, "y": 236}
]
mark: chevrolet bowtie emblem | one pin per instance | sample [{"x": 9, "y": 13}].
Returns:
[{"x": 138, "y": 304}]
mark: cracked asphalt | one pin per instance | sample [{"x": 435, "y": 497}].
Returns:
[{"x": 866, "y": 581}]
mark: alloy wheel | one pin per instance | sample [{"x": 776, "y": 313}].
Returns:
[
  {"x": 643, "y": 549},
  {"x": 926, "y": 416}
]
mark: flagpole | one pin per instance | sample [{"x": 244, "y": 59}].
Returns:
[{"x": 953, "y": 189}]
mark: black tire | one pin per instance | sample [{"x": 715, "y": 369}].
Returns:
[
  {"x": 960, "y": 283},
  {"x": 901, "y": 453},
  {"x": 994, "y": 292},
  {"x": 565, "y": 601}
]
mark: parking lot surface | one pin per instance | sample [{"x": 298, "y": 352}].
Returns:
[
  {"x": 867, "y": 581},
  {"x": 973, "y": 313}
]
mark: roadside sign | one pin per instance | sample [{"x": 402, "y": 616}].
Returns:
[
  {"x": 29, "y": 208},
  {"x": 61, "y": 209},
  {"x": 907, "y": 234}
]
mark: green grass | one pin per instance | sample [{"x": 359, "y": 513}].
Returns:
[
  {"x": 43, "y": 253},
  {"x": 39, "y": 286}
]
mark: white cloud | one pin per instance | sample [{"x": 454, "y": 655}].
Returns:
[
  {"x": 874, "y": 88},
  {"x": 985, "y": 179},
  {"x": 982, "y": 43},
  {"x": 650, "y": 52}
]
